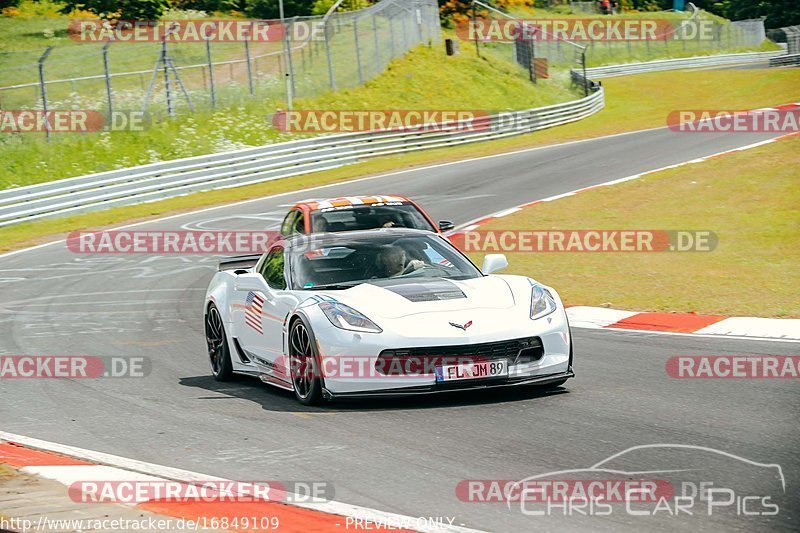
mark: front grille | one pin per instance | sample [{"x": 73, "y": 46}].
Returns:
[{"x": 415, "y": 361}]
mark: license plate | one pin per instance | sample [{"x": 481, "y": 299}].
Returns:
[{"x": 464, "y": 371}]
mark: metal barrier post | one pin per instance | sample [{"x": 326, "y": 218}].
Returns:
[
  {"x": 290, "y": 65},
  {"x": 585, "y": 80},
  {"x": 328, "y": 54},
  {"x": 247, "y": 58},
  {"x": 358, "y": 52},
  {"x": 167, "y": 87},
  {"x": 474, "y": 28},
  {"x": 211, "y": 74},
  {"x": 391, "y": 38},
  {"x": 377, "y": 45},
  {"x": 43, "y": 86},
  {"x": 108, "y": 79}
]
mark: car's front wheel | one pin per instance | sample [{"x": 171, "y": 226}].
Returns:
[
  {"x": 306, "y": 380},
  {"x": 219, "y": 354}
]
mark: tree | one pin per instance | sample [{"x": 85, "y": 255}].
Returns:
[
  {"x": 458, "y": 11},
  {"x": 209, "y": 6},
  {"x": 8, "y": 3},
  {"x": 779, "y": 13},
  {"x": 268, "y": 9},
  {"x": 121, "y": 9}
]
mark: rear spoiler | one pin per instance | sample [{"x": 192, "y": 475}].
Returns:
[{"x": 237, "y": 262}]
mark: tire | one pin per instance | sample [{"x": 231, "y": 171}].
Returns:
[
  {"x": 304, "y": 364},
  {"x": 219, "y": 353}
]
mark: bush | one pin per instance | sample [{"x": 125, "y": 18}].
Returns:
[
  {"x": 124, "y": 9},
  {"x": 209, "y": 6},
  {"x": 268, "y": 9}
]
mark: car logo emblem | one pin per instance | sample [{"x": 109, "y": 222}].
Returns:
[{"x": 462, "y": 327}]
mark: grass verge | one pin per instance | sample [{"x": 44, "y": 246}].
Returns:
[
  {"x": 632, "y": 102},
  {"x": 751, "y": 200},
  {"x": 423, "y": 79}
]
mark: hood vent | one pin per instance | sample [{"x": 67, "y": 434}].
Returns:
[{"x": 422, "y": 291}]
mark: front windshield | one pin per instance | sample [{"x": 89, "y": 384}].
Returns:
[
  {"x": 338, "y": 262},
  {"x": 362, "y": 217}
]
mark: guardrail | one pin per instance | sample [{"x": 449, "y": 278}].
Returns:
[
  {"x": 680, "y": 63},
  {"x": 178, "y": 177},
  {"x": 789, "y": 60}
]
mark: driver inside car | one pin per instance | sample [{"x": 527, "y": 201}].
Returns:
[{"x": 393, "y": 261}]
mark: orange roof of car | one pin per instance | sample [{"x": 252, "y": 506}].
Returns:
[{"x": 345, "y": 201}]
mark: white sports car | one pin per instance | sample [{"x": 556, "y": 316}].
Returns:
[{"x": 382, "y": 313}]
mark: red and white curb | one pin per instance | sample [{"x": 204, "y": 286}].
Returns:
[
  {"x": 690, "y": 323},
  {"x": 760, "y": 328},
  {"x": 69, "y": 465}
]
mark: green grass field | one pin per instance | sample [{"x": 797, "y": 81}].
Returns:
[
  {"x": 720, "y": 37},
  {"x": 651, "y": 96},
  {"x": 750, "y": 199},
  {"x": 424, "y": 79}
]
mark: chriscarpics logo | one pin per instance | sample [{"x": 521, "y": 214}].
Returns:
[{"x": 672, "y": 481}]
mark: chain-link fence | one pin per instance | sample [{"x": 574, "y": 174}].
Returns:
[
  {"x": 588, "y": 8},
  {"x": 678, "y": 34},
  {"x": 537, "y": 52},
  {"x": 315, "y": 54}
]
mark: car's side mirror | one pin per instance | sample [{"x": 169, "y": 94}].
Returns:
[
  {"x": 493, "y": 263},
  {"x": 250, "y": 282},
  {"x": 446, "y": 225}
]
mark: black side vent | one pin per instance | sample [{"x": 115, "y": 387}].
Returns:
[{"x": 240, "y": 351}]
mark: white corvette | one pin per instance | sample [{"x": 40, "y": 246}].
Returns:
[{"x": 382, "y": 313}]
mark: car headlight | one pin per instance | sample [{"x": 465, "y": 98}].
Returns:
[
  {"x": 542, "y": 302},
  {"x": 345, "y": 317}
]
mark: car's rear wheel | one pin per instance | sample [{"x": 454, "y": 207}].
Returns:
[
  {"x": 303, "y": 358},
  {"x": 219, "y": 354}
]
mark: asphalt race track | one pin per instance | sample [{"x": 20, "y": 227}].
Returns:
[{"x": 404, "y": 456}]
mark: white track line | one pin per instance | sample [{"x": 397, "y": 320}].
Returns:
[
  {"x": 473, "y": 223},
  {"x": 176, "y": 474},
  {"x": 366, "y": 178},
  {"x": 702, "y": 335}
]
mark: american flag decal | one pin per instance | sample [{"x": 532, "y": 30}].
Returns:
[{"x": 252, "y": 313}]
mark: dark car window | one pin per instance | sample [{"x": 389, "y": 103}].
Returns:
[
  {"x": 272, "y": 269},
  {"x": 362, "y": 217},
  {"x": 299, "y": 223},
  {"x": 337, "y": 260},
  {"x": 287, "y": 228}
]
